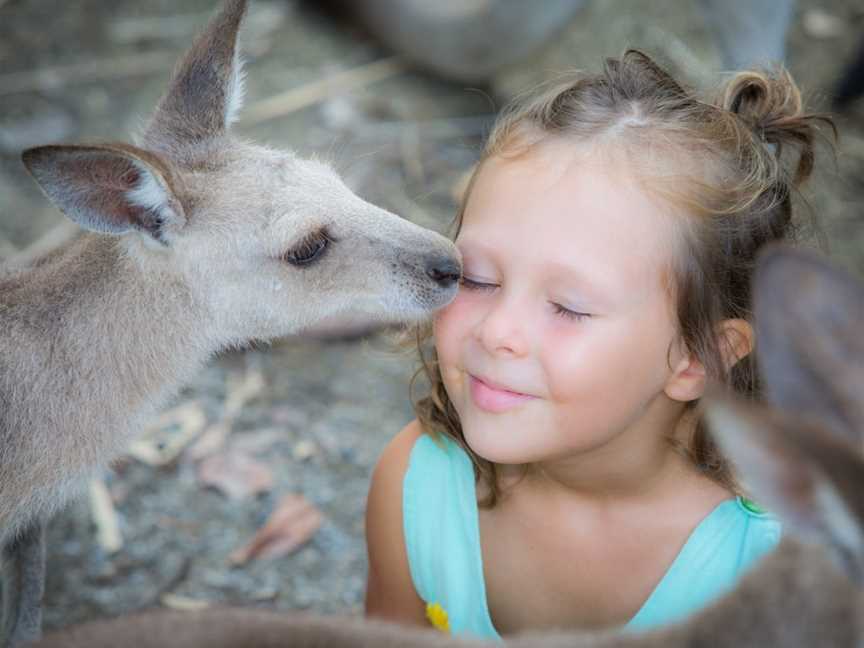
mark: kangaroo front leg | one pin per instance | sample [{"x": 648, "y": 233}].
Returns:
[{"x": 23, "y": 587}]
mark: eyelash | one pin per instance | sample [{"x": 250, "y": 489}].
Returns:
[
  {"x": 569, "y": 314},
  {"x": 470, "y": 284},
  {"x": 566, "y": 313},
  {"x": 310, "y": 249}
]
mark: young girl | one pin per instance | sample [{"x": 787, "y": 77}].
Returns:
[{"x": 559, "y": 475}]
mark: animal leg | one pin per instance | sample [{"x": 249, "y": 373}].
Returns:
[{"x": 23, "y": 587}]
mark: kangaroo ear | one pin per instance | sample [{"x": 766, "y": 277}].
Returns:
[
  {"x": 206, "y": 92},
  {"x": 809, "y": 343},
  {"x": 109, "y": 189},
  {"x": 810, "y": 478}
]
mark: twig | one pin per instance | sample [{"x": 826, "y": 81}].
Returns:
[
  {"x": 469, "y": 126},
  {"x": 104, "y": 517},
  {"x": 311, "y": 93},
  {"x": 183, "y": 603},
  {"x": 115, "y": 67},
  {"x": 164, "y": 440},
  {"x": 240, "y": 391}
]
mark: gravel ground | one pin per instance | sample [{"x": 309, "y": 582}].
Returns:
[{"x": 324, "y": 408}]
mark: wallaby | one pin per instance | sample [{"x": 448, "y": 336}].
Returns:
[
  {"x": 803, "y": 457},
  {"x": 197, "y": 242}
]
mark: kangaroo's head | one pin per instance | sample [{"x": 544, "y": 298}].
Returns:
[{"x": 270, "y": 243}]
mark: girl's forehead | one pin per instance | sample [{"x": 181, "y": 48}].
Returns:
[{"x": 567, "y": 206}]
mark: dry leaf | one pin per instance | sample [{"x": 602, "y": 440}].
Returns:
[
  {"x": 294, "y": 521},
  {"x": 236, "y": 474}
]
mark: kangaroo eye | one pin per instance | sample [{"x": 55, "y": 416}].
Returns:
[{"x": 309, "y": 250}]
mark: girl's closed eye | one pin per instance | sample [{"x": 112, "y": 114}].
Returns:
[
  {"x": 476, "y": 284},
  {"x": 568, "y": 313}
]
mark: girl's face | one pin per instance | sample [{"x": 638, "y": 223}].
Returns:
[{"x": 562, "y": 338}]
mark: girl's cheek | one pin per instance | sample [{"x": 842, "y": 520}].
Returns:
[
  {"x": 562, "y": 354},
  {"x": 452, "y": 324},
  {"x": 457, "y": 310},
  {"x": 449, "y": 331}
]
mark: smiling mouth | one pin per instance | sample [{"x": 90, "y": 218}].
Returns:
[{"x": 495, "y": 399}]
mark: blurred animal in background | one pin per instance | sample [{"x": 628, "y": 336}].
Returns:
[
  {"x": 462, "y": 40},
  {"x": 802, "y": 455},
  {"x": 470, "y": 40},
  {"x": 197, "y": 242}
]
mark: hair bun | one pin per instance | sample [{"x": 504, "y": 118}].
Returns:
[
  {"x": 761, "y": 99},
  {"x": 770, "y": 105}
]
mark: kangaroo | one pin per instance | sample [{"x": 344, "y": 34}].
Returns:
[
  {"x": 194, "y": 241},
  {"x": 803, "y": 456}
]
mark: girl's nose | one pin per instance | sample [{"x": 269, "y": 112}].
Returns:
[{"x": 503, "y": 329}]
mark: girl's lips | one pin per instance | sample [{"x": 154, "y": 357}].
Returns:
[{"x": 494, "y": 399}]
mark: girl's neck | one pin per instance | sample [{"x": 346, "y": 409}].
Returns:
[{"x": 638, "y": 464}]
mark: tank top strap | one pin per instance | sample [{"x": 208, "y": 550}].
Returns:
[{"x": 442, "y": 539}]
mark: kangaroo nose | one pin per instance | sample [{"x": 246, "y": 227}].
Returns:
[{"x": 444, "y": 271}]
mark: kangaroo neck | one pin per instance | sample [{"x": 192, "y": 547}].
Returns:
[{"x": 115, "y": 327}]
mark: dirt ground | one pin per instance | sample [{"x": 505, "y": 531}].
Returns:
[{"x": 317, "y": 412}]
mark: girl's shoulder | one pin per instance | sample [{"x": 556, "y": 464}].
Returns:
[
  {"x": 393, "y": 461},
  {"x": 419, "y": 505},
  {"x": 414, "y": 457},
  {"x": 390, "y": 593},
  {"x": 417, "y": 450},
  {"x": 383, "y": 504}
]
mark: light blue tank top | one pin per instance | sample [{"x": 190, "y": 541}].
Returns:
[{"x": 442, "y": 538}]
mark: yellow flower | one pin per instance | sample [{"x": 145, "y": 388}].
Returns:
[{"x": 437, "y": 616}]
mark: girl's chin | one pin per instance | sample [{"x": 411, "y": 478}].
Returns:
[{"x": 501, "y": 446}]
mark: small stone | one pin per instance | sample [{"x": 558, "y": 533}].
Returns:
[{"x": 304, "y": 450}]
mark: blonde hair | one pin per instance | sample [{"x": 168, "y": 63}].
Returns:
[{"x": 756, "y": 147}]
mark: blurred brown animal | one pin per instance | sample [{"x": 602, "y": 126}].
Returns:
[
  {"x": 803, "y": 456},
  {"x": 197, "y": 242}
]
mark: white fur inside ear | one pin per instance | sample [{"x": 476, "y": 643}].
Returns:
[
  {"x": 149, "y": 194},
  {"x": 237, "y": 91}
]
